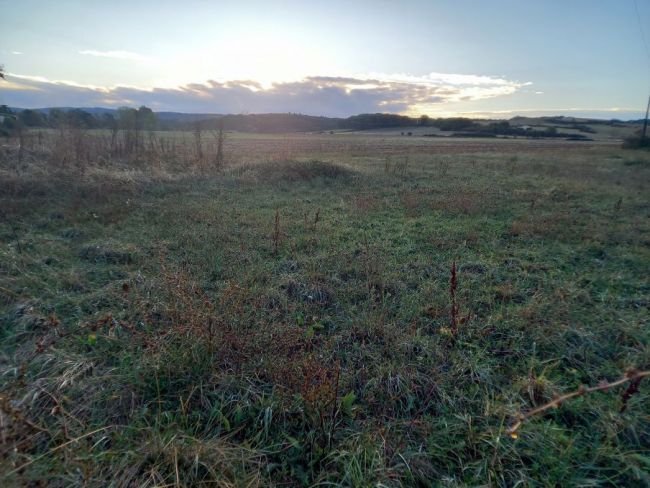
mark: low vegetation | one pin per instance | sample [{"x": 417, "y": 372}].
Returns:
[
  {"x": 637, "y": 142},
  {"x": 309, "y": 310}
]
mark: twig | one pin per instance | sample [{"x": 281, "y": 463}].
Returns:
[
  {"x": 335, "y": 404},
  {"x": 276, "y": 231},
  {"x": 453, "y": 286},
  {"x": 54, "y": 449},
  {"x": 17, "y": 415},
  {"x": 8, "y": 291},
  {"x": 634, "y": 375},
  {"x": 14, "y": 230}
]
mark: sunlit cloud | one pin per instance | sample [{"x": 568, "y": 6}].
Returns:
[
  {"x": 114, "y": 54},
  {"x": 8, "y": 85},
  {"x": 42, "y": 84},
  {"x": 315, "y": 95}
]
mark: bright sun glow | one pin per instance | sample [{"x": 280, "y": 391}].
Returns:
[
  {"x": 265, "y": 59},
  {"x": 321, "y": 58}
]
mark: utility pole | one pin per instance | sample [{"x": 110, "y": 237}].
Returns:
[{"x": 645, "y": 122}]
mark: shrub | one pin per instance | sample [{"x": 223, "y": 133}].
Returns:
[
  {"x": 296, "y": 171},
  {"x": 636, "y": 142}
]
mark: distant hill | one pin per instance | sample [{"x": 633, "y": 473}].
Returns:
[
  {"x": 90, "y": 110},
  {"x": 183, "y": 117},
  {"x": 532, "y": 127}
]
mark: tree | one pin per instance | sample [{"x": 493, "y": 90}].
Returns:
[
  {"x": 8, "y": 120},
  {"x": 219, "y": 157},
  {"x": 80, "y": 119},
  {"x": 146, "y": 118},
  {"x": 107, "y": 121},
  {"x": 2, "y": 72},
  {"x": 137, "y": 120},
  {"x": 55, "y": 117},
  {"x": 133, "y": 122},
  {"x": 31, "y": 118}
]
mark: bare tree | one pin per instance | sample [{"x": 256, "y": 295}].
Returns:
[
  {"x": 198, "y": 129},
  {"x": 219, "y": 136}
]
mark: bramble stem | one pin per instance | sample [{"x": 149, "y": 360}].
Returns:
[{"x": 632, "y": 375}]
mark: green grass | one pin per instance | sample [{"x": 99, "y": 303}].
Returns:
[{"x": 159, "y": 312}]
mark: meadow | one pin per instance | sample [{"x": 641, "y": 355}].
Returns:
[{"x": 323, "y": 310}]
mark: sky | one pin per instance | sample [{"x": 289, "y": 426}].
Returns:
[{"x": 480, "y": 58}]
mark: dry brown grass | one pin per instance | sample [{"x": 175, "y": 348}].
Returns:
[{"x": 293, "y": 171}]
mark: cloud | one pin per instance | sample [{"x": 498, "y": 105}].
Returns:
[
  {"x": 114, "y": 54},
  {"x": 17, "y": 53},
  {"x": 316, "y": 95}
]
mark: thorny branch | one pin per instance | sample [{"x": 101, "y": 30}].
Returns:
[{"x": 634, "y": 376}]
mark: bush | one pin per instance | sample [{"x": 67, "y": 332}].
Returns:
[
  {"x": 636, "y": 142},
  {"x": 296, "y": 171}
]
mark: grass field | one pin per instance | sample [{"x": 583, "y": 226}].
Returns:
[{"x": 290, "y": 321}]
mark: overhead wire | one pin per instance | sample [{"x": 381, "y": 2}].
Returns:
[{"x": 642, "y": 31}]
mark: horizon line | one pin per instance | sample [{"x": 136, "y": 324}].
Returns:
[{"x": 496, "y": 115}]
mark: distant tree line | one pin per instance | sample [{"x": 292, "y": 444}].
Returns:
[
  {"x": 504, "y": 128},
  {"x": 283, "y": 122},
  {"x": 144, "y": 119},
  {"x": 572, "y": 123}
]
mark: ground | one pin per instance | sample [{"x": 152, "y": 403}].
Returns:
[{"x": 290, "y": 320}]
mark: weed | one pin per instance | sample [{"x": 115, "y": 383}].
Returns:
[
  {"x": 443, "y": 167},
  {"x": 453, "y": 312},
  {"x": 277, "y": 233}
]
